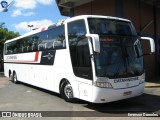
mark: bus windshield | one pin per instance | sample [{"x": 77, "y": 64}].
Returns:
[
  {"x": 103, "y": 26},
  {"x": 120, "y": 49}
]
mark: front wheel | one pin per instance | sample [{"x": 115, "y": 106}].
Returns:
[
  {"x": 15, "y": 78},
  {"x": 66, "y": 91}
]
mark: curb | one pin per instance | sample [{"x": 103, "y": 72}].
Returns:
[{"x": 150, "y": 85}]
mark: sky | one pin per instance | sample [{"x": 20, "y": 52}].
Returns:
[{"x": 22, "y": 13}]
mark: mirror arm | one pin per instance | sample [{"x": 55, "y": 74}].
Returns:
[{"x": 95, "y": 41}]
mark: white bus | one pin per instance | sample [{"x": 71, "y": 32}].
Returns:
[{"x": 94, "y": 58}]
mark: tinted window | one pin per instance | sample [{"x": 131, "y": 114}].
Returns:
[
  {"x": 51, "y": 39},
  {"x": 79, "y": 49},
  {"x": 76, "y": 29},
  {"x": 103, "y": 26}
]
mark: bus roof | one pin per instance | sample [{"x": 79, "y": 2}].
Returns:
[
  {"x": 95, "y": 16},
  {"x": 64, "y": 21}
]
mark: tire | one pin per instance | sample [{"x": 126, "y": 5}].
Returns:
[
  {"x": 66, "y": 91},
  {"x": 10, "y": 75},
  {"x": 14, "y": 79}
]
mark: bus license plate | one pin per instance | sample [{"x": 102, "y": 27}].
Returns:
[{"x": 127, "y": 93}]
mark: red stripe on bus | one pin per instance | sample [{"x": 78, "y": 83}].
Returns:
[
  {"x": 43, "y": 29},
  {"x": 36, "y": 57}
]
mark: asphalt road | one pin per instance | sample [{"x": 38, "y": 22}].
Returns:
[{"x": 23, "y": 97}]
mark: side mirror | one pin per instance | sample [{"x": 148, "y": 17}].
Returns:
[
  {"x": 95, "y": 41},
  {"x": 148, "y": 45}
]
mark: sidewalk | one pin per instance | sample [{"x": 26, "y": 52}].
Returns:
[{"x": 152, "y": 84}]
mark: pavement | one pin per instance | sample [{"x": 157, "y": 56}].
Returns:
[
  {"x": 1, "y": 74},
  {"x": 150, "y": 84},
  {"x": 23, "y": 97}
]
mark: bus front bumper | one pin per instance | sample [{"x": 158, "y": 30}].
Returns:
[{"x": 104, "y": 95}]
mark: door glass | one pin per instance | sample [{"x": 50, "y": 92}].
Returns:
[{"x": 79, "y": 49}]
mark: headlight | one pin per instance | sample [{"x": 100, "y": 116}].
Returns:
[
  {"x": 142, "y": 79},
  {"x": 103, "y": 84}
]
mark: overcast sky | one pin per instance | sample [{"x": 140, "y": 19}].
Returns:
[{"x": 22, "y": 13}]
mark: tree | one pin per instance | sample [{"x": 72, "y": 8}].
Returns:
[
  {"x": 5, "y": 34},
  {"x": 2, "y": 25}
]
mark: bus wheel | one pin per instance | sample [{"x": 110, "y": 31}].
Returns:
[
  {"x": 66, "y": 91},
  {"x": 10, "y": 75},
  {"x": 15, "y": 78}
]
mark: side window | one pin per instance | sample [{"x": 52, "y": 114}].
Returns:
[
  {"x": 14, "y": 47},
  {"x": 79, "y": 49},
  {"x": 76, "y": 29},
  {"x": 7, "y": 48},
  {"x": 29, "y": 44},
  {"x": 35, "y": 40},
  {"x": 25, "y": 44},
  {"x": 42, "y": 41},
  {"x": 11, "y": 48},
  {"x": 57, "y": 36},
  {"x": 53, "y": 38},
  {"x": 19, "y": 46}
]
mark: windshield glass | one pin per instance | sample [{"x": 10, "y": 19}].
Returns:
[
  {"x": 103, "y": 26},
  {"x": 119, "y": 53}
]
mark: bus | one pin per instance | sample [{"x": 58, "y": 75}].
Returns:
[{"x": 94, "y": 58}]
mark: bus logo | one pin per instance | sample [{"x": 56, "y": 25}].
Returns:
[{"x": 49, "y": 56}]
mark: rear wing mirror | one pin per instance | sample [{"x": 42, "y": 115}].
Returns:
[
  {"x": 95, "y": 41},
  {"x": 148, "y": 45}
]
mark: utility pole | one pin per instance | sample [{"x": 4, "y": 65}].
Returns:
[{"x": 30, "y": 26}]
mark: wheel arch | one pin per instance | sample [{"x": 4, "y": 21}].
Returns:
[
  {"x": 63, "y": 80},
  {"x": 62, "y": 86}
]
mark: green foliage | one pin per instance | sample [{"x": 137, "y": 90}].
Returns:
[{"x": 5, "y": 34}]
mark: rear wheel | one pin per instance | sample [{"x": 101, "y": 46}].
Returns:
[
  {"x": 66, "y": 91},
  {"x": 15, "y": 78},
  {"x": 10, "y": 75}
]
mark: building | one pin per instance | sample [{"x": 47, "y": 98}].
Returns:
[{"x": 145, "y": 15}]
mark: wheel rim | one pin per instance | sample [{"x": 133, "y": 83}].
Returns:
[
  {"x": 68, "y": 91},
  {"x": 15, "y": 78}
]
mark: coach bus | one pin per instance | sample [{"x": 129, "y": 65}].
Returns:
[{"x": 93, "y": 58}]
